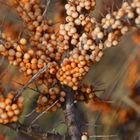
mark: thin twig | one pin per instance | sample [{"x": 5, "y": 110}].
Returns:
[
  {"x": 45, "y": 111},
  {"x": 30, "y": 81},
  {"x": 28, "y": 87},
  {"x": 29, "y": 114},
  {"x": 46, "y": 8}
]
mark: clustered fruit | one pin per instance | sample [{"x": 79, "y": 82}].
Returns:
[
  {"x": 49, "y": 97},
  {"x": 9, "y": 110},
  {"x": 89, "y": 46},
  {"x": 69, "y": 49}
]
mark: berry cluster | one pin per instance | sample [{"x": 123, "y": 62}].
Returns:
[
  {"x": 49, "y": 97},
  {"x": 44, "y": 37},
  {"x": 91, "y": 43},
  {"x": 56, "y": 97},
  {"x": 84, "y": 93},
  {"x": 9, "y": 110},
  {"x": 68, "y": 49}
]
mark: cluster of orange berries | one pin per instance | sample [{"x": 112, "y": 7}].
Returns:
[
  {"x": 29, "y": 61},
  {"x": 68, "y": 49},
  {"x": 84, "y": 93},
  {"x": 75, "y": 17},
  {"x": 90, "y": 44},
  {"x": 16, "y": 53},
  {"x": 81, "y": 5},
  {"x": 44, "y": 37},
  {"x": 56, "y": 96},
  {"x": 9, "y": 110},
  {"x": 50, "y": 96},
  {"x": 116, "y": 22}
]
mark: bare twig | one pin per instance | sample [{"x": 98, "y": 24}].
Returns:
[
  {"x": 46, "y": 8},
  {"x": 45, "y": 111},
  {"x": 30, "y": 81},
  {"x": 29, "y": 114},
  {"x": 28, "y": 87}
]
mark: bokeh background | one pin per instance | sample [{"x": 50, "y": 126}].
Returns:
[{"x": 116, "y": 79}]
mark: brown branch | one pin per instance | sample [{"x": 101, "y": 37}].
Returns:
[
  {"x": 34, "y": 131},
  {"x": 72, "y": 123}
]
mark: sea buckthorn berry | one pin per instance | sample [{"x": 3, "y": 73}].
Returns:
[
  {"x": 9, "y": 111},
  {"x": 69, "y": 49},
  {"x": 23, "y": 41}
]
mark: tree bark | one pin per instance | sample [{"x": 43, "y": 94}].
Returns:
[{"x": 71, "y": 118}]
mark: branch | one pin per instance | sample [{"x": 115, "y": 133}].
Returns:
[
  {"x": 45, "y": 111},
  {"x": 34, "y": 131},
  {"x": 46, "y": 8},
  {"x": 70, "y": 117},
  {"x": 31, "y": 80}
]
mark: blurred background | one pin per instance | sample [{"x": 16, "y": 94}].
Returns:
[{"x": 116, "y": 79}]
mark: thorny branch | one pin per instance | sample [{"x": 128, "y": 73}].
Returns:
[{"x": 34, "y": 131}]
